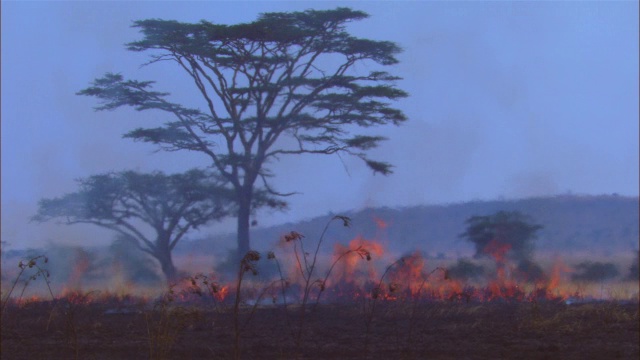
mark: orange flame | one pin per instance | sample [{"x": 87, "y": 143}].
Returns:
[
  {"x": 497, "y": 250},
  {"x": 81, "y": 265},
  {"x": 349, "y": 262},
  {"x": 557, "y": 271}
]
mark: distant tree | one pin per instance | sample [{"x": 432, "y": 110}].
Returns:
[
  {"x": 283, "y": 75},
  {"x": 594, "y": 271},
  {"x": 131, "y": 203},
  {"x": 503, "y": 234}
]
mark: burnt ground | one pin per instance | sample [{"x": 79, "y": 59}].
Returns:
[{"x": 435, "y": 330}]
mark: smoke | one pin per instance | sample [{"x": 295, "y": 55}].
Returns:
[
  {"x": 532, "y": 184},
  {"x": 119, "y": 268},
  {"x": 130, "y": 264}
]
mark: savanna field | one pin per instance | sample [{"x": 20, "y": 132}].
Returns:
[{"x": 307, "y": 300}]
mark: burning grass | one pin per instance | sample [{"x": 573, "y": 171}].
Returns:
[{"x": 298, "y": 302}]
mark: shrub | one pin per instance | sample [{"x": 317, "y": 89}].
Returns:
[
  {"x": 595, "y": 271},
  {"x": 505, "y": 233}
]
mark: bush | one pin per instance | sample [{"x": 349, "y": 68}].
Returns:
[
  {"x": 509, "y": 233},
  {"x": 595, "y": 271}
]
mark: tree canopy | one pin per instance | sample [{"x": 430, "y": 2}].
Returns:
[
  {"x": 130, "y": 203},
  {"x": 290, "y": 74},
  {"x": 505, "y": 233}
]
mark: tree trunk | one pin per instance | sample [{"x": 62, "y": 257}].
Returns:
[
  {"x": 163, "y": 254},
  {"x": 244, "y": 212},
  {"x": 244, "y": 196},
  {"x": 169, "y": 270}
]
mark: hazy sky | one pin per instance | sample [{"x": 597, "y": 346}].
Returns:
[{"x": 508, "y": 99}]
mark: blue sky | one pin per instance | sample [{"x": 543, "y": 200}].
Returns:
[{"x": 508, "y": 100}]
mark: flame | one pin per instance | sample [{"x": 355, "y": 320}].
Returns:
[
  {"x": 410, "y": 271},
  {"x": 557, "y": 272},
  {"x": 380, "y": 224},
  {"x": 412, "y": 278},
  {"x": 497, "y": 250},
  {"x": 81, "y": 265},
  {"x": 349, "y": 259}
]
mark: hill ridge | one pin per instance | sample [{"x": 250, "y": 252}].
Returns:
[{"x": 608, "y": 223}]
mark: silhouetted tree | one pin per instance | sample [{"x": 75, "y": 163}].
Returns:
[
  {"x": 594, "y": 271},
  {"x": 285, "y": 74},
  {"x": 505, "y": 233},
  {"x": 132, "y": 203}
]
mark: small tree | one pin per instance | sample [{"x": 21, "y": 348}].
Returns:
[
  {"x": 285, "y": 74},
  {"x": 128, "y": 202},
  {"x": 505, "y": 233}
]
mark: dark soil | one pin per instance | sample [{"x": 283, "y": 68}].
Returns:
[{"x": 437, "y": 330}]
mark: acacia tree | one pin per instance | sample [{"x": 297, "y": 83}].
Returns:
[
  {"x": 510, "y": 230},
  {"x": 128, "y": 202},
  {"x": 285, "y": 74}
]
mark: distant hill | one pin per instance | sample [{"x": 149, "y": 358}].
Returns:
[
  {"x": 590, "y": 225},
  {"x": 605, "y": 224}
]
